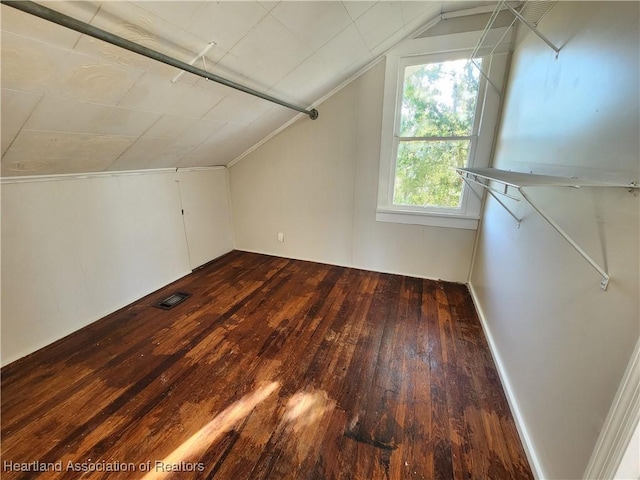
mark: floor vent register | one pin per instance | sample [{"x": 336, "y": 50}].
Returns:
[{"x": 172, "y": 300}]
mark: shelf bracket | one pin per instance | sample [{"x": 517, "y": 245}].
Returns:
[
  {"x": 470, "y": 177},
  {"x": 478, "y": 196},
  {"x": 532, "y": 28},
  {"x": 605, "y": 276},
  {"x": 491, "y": 192},
  {"x": 495, "y": 197},
  {"x": 486, "y": 77}
]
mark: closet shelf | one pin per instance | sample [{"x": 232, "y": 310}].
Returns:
[
  {"x": 508, "y": 181},
  {"x": 518, "y": 179}
]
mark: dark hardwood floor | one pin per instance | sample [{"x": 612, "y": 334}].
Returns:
[{"x": 272, "y": 369}]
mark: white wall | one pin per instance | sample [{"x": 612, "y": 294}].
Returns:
[
  {"x": 562, "y": 343},
  {"x": 76, "y": 249},
  {"x": 204, "y": 195},
  {"x": 317, "y": 183}
]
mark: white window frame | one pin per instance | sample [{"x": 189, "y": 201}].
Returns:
[{"x": 432, "y": 50}]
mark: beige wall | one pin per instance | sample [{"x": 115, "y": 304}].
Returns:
[
  {"x": 317, "y": 183},
  {"x": 562, "y": 343},
  {"x": 74, "y": 250}
]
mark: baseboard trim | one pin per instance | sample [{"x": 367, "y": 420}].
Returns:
[
  {"x": 529, "y": 449},
  {"x": 620, "y": 423},
  {"x": 346, "y": 265}
]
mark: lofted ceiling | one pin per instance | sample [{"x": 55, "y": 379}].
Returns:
[{"x": 74, "y": 104}]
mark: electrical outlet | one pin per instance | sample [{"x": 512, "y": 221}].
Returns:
[{"x": 280, "y": 237}]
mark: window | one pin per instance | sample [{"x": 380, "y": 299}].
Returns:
[
  {"x": 438, "y": 114},
  {"x": 435, "y": 131}
]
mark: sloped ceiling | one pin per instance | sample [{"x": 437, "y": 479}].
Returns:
[{"x": 74, "y": 104}]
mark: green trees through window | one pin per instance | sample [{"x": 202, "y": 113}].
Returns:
[{"x": 435, "y": 132}]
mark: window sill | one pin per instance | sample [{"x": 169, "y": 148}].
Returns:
[{"x": 427, "y": 219}]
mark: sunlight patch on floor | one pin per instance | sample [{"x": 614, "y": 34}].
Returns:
[{"x": 198, "y": 443}]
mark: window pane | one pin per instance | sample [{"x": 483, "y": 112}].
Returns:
[
  {"x": 425, "y": 174},
  {"x": 439, "y": 99}
]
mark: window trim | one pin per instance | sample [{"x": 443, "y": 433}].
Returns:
[{"x": 431, "y": 50}]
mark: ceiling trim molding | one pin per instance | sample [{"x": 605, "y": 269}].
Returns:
[
  {"x": 84, "y": 176},
  {"x": 199, "y": 169}
]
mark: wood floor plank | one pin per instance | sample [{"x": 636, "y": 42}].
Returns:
[
  {"x": 439, "y": 434},
  {"x": 357, "y": 446},
  {"x": 409, "y": 314},
  {"x": 272, "y": 369}
]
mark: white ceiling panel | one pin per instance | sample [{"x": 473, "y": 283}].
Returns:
[
  {"x": 390, "y": 42},
  {"x": 142, "y": 26},
  {"x": 152, "y": 152},
  {"x": 48, "y": 145},
  {"x": 157, "y": 94},
  {"x": 178, "y": 16},
  {"x": 380, "y": 22},
  {"x": 308, "y": 82},
  {"x": 225, "y": 23},
  {"x": 357, "y": 8},
  {"x": 210, "y": 156},
  {"x": 16, "y": 108},
  {"x": 201, "y": 131},
  {"x": 171, "y": 126},
  {"x": 226, "y": 134},
  {"x": 239, "y": 109},
  {"x": 412, "y": 11},
  {"x": 195, "y": 101},
  {"x": 17, "y": 22},
  {"x": 219, "y": 151},
  {"x": 55, "y": 152},
  {"x": 270, "y": 121},
  {"x": 315, "y": 23},
  {"x": 29, "y": 65},
  {"x": 130, "y": 21},
  {"x": 108, "y": 53},
  {"x": 72, "y": 103},
  {"x": 268, "y": 6},
  {"x": 272, "y": 50},
  {"x": 224, "y": 142},
  {"x": 190, "y": 132},
  {"x": 336, "y": 58},
  {"x": 152, "y": 93},
  {"x": 171, "y": 73},
  {"x": 57, "y": 114},
  {"x": 240, "y": 71},
  {"x": 87, "y": 79}
]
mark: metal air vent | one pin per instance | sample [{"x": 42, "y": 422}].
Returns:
[{"x": 172, "y": 300}]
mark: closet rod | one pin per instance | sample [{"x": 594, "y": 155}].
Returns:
[{"x": 69, "y": 22}]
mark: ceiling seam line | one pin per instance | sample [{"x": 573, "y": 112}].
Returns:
[{"x": 24, "y": 123}]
